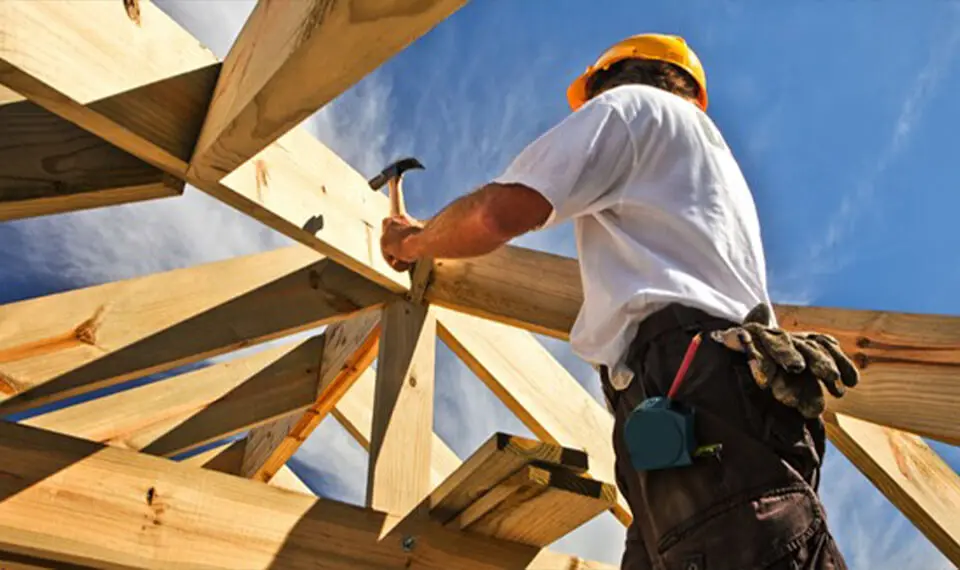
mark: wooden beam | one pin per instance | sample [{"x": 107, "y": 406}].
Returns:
[
  {"x": 285, "y": 478},
  {"x": 67, "y": 344},
  {"x": 909, "y": 364},
  {"x": 355, "y": 414},
  {"x": 226, "y": 458},
  {"x": 399, "y": 473},
  {"x": 536, "y": 388},
  {"x": 71, "y": 501},
  {"x": 499, "y": 457},
  {"x": 537, "y": 505},
  {"x": 151, "y": 102},
  {"x": 186, "y": 411},
  {"x": 8, "y": 96},
  {"x": 908, "y": 361},
  {"x": 50, "y": 166},
  {"x": 91, "y": 64},
  {"x": 910, "y": 474},
  {"x": 347, "y": 350},
  {"x": 529, "y": 289},
  {"x": 291, "y": 59}
]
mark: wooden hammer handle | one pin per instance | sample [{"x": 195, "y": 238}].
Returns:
[{"x": 397, "y": 207}]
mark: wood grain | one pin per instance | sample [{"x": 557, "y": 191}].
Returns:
[
  {"x": 76, "y": 502},
  {"x": 347, "y": 350},
  {"x": 151, "y": 102},
  {"x": 87, "y": 62},
  {"x": 910, "y": 474},
  {"x": 907, "y": 361},
  {"x": 291, "y": 59},
  {"x": 536, "y": 388},
  {"x": 70, "y": 343},
  {"x": 50, "y": 166},
  {"x": 402, "y": 426},
  {"x": 225, "y": 458},
  {"x": 499, "y": 457},
  {"x": 354, "y": 411},
  {"x": 529, "y": 289},
  {"x": 183, "y": 412},
  {"x": 537, "y": 505}
]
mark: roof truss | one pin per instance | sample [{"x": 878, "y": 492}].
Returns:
[{"x": 159, "y": 110}]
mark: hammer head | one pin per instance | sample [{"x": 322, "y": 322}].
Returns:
[{"x": 395, "y": 170}]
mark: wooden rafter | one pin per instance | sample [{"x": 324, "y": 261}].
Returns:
[
  {"x": 78, "y": 502},
  {"x": 911, "y": 475},
  {"x": 532, "y": 290},
  {"x": 347, "y": 350},
  {"x": 110, "y": 84},
  {"x": 51, "y": 166},
  {"x": 70, "y": 343},
  {"x": 296, "y": 185},
  {"x": 908, "y": 361},
  {"x": 535, "y": 387},
  {"x": 291, "y": 59},
  {"x": 285, "y": 478},
  {"x": 224, "y": 458},
  {"x": 355, "y": 414},
  {"x": 186, "y": 411},
  {"x": 398, "y": 477}
]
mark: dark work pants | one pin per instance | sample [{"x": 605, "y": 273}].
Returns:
[{"x": 754, "y": 506}]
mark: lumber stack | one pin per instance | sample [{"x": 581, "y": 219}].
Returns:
[{"x": 521, "y": 490}]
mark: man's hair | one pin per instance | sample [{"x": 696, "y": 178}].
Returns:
[{"x": 661, "y": 74}]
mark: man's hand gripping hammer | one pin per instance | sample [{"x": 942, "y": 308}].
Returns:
[{"x": 392, "y": 176}]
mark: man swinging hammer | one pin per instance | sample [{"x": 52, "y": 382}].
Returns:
[{"x": 676, "y": 314}]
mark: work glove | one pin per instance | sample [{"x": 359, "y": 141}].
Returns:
[{"x": 791, "y": 365}]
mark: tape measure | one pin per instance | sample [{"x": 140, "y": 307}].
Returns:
[{"x": 660, "y": 432}]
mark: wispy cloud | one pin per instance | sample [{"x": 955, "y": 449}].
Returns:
[{"x": 824, "y": 256}]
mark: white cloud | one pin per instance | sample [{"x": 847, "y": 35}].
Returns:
[
  {"x": 942, "y": 52},
  {"x": 332, "y": 463}
]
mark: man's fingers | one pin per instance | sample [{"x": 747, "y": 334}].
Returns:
[{"x": 396, "y": 264}]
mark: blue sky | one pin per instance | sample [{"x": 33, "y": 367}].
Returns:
[{"x": 842, "y": 115}]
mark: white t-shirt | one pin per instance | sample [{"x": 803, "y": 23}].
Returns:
[{"x": 661, "y": 214}]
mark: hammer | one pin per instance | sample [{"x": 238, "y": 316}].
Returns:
[{"x": 392, "y": 176}]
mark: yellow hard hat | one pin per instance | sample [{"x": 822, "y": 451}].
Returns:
[{"x": 672, "y": 49}]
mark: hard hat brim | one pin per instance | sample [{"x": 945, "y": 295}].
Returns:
[
  {"x": 577, "y": 91},
  {"x": 656, "y": 47}
]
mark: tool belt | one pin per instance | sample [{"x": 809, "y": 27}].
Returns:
[{"x": 793, "y": 367}]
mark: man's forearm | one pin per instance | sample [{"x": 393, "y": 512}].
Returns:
[{"x": 477, "y": 224}]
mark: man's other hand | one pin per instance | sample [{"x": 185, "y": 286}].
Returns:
[{"x": 394, "y": 244}]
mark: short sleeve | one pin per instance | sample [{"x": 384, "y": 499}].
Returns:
[{"x": 575, "y": 164}]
